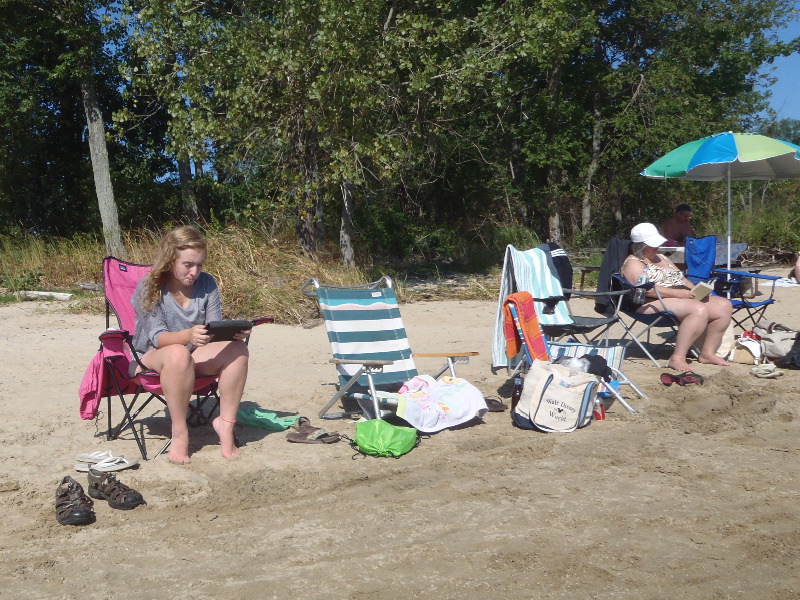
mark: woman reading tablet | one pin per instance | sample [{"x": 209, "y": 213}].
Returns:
[{"x": 173, "y": 304}]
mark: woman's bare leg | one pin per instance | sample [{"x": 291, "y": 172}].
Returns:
[
  {"x": 175, "y": 365},
  {"x": 693, "y": 317},
  {"x": 719, "y": 317},
  {"x": 229, "y": 360}
]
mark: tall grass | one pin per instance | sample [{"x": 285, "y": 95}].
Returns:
[{"x": 257, "y": 274}]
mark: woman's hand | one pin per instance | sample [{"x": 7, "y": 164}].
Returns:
[
  {"x": 676, "y": 293},
  {"x": 198, "y": 336},
  {"x": 242, "y": 335}
]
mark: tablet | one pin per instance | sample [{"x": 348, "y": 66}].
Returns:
[{"x": 223, "y": 331}]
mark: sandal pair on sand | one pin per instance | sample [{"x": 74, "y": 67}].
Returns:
[
  {"x": 74, "y": 507},
  {"x": 305, "y": 433},
  {"x": 684, "y": 378},
  {"x": 103, "y": 461}
]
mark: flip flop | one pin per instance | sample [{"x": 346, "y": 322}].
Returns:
[
  {"x": 95, "y": 457},
  {"x": 689, "y": 377},
  {"x": 319, "y": 436},
  {"x": 685, "y": 378},
  {"x": 495, "y": 405},
  {"x": 114, "y": 463},
  {"x": 766, "y": 371}
]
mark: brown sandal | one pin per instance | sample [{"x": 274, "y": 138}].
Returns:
[
  {"x": 104, "y": 486},
  {"x": 306, "y": 433},
  {"x": 73, "y": 507}
]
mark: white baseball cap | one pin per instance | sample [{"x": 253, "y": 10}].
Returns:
[{"x": 648, "y": 234}]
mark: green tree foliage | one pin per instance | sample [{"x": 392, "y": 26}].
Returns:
[{"x": 434, "y": 124}]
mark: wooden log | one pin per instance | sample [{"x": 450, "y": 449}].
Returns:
[{"x": 46, "y": 295}]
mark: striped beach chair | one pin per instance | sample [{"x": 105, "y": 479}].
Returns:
[{"x": 369, "y": 345}]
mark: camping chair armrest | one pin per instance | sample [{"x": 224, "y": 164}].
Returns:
[
  {"x": 745, "y": 274},
  {"x": 262, "y": 320},
  {"x": 366, "y": 363},
  {"x": 451, "y": 359},
  {"x": 445, "y": 354},
  {"x": 114, "y": 333},
  {"x": 589, "y": 294}
]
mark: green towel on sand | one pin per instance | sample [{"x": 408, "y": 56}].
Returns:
[{"x": 257, "y": 417}]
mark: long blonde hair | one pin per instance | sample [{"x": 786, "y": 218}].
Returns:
[{"x": 173, "y": 242}]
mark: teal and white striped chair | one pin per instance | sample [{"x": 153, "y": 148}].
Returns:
[{"x": 369, "y": 344}]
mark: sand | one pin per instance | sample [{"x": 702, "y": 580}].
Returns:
[{"x": 695, "y": 496}]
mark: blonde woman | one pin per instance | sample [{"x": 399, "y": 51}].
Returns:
[
  {"x": 711, "y": 315},
  {"x": 173, "y": 304}
]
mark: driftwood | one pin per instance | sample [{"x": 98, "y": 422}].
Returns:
[
  {"x": 89, "y": 286},
  {"x": 46, "y": 295}
]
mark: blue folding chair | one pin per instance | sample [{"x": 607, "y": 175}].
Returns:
[
  {"x": 700, "y": 257},
  {"x": 369, "y": 345}
]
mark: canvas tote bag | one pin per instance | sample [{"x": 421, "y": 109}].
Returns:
[{"x": 557, "y": 399}]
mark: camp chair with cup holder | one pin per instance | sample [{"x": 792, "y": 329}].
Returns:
[
  {"x": 531, "y": 271},
  {"x": 119, "y": 283},
  {"x": 616, "y": 294},
  {"x": 370, "y": 347},
  {"x": 740, "y": 287}
]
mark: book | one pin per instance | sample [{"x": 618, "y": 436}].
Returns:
[{"x": 702, "y": 289}]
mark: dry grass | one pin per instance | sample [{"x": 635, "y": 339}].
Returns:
[{"x": 257, "y": 275}]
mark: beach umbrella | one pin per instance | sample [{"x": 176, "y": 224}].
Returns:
[{"x": 729, "y": 156}]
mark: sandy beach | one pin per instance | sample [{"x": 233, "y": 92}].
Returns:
[{"x": 694, "y": 497}]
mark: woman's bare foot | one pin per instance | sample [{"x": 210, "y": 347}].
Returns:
[
  {"x": 224, "y": 429},
  {"x": 713, "y": 360},
  {"x": 179, "y": 449},
  {"x": 678, "y": 363}
]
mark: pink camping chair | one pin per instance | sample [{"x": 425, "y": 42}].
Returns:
[{"x": 119, "y": 283}]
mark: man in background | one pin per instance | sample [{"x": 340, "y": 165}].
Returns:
[{"x": 679, "y": 227}]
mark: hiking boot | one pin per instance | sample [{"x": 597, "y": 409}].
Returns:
[
  {"x": 104, "y": 486},
  {"x": 73, "y": 507}
]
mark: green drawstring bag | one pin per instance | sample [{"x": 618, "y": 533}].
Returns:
[{"x": 379, "y": 438}]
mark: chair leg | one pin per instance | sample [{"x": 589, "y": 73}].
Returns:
[
  {"x": 342, "y": 391},
  {"x": 127, "y": 420},
  {"x": 619, "y": 397}
]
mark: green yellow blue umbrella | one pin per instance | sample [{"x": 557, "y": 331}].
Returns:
[{"x": 729, "y": 156}]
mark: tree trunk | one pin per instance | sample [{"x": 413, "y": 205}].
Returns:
[
  {"x": 102, "y": 174},
  {"x": 553, "y": 217},
  {"x": 586, "y": 204},
  {"x": 346, "y": 230},
  {"x": 187, "y": 188},
  {"x": 306, "y": 226}
]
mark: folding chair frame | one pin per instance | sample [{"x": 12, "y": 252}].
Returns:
[
  {"x": 621, "y": 377},
  {"x": 664, "y": 318},
  {"x": 369, "y": 368},
  {"x": 729, "y": 282},
  {"x": 120, "y": 341}
]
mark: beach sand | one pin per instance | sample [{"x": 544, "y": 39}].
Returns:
[{"x": 695, "y": 496}]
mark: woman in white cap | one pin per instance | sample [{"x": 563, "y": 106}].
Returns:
[{"x": 711, "y": 315}]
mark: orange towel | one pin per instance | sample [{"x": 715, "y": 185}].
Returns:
[{"x": 528, "y": 322}]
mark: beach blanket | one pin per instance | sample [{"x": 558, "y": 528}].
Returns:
[
  {"x": 528, "y": 322},
  {"x": 431, "y": 405}
]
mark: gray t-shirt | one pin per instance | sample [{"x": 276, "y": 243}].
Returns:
[{"x": 168, "y": 315}]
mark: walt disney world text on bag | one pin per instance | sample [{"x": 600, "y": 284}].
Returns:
[{"x": 557, "y": 399}]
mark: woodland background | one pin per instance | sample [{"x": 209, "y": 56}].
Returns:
[{"x": 356, "y": 132}]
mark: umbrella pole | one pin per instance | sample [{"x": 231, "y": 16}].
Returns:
[{"x": 729, "y": 217}]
